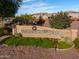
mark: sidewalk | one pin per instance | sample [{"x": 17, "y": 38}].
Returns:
[{"x": 4, "y": 37}]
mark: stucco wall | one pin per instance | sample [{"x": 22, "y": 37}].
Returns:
[{"x": 45, "y": 32}]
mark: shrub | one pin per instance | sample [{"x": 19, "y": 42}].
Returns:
[
  {"x": 76, "y": 43},
  {"x": 63, "y": 45},
  {"x": 7, "y": 30},
  {"x": 1, "y": 31}
]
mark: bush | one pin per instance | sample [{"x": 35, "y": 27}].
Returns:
[
  {"x": 76, "y": 43},
  {"x": 1, "y": 31},
  {"x": 7, "y": 30},
  {"x": 63, "y": 45}
]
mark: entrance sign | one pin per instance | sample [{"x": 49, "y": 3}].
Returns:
[
  {"x": 45, "y": 32},
  {"x": 34, "y": 27}
]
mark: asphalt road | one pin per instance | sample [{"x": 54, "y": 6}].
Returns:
[{"x": 36, "y": 53}]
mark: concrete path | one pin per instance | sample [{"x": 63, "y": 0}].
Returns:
[{"x": 4, "y": 37}]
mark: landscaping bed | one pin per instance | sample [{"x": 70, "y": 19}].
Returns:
[{"x": 34, "y": 42}]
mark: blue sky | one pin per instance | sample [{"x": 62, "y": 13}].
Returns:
[{"x": 50, "y": 6}]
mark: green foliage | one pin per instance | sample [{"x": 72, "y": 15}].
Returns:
[
  {"x": 60, "y": 21},
  {"x": 9, "y": 8},
  {"x": 5, "y": 31},
  {"x": 24, "y": 19},
  {"x": 63, "y": 45},
  {"x": 36, "y": 42},
  {"x": 76, "y": 42},
  {"x": 1, "y": 31},
  {"x": 27, "y": 17}
]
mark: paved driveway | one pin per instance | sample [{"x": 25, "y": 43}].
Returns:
[{"x": 36, "y": 53}]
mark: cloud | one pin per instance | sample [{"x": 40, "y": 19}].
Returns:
[
  {"x": 24, "y": 7},
  {"x": 39, "y": 5},
  {"x": 27, "y": 1},
  {"x": 34, "y": 5}
]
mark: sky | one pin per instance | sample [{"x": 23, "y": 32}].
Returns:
[{"x": 47, "y": 6}]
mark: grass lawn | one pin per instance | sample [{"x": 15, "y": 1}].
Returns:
[
  {"x": 63, "y": 45},
  {"x": 35, "y": 42}
]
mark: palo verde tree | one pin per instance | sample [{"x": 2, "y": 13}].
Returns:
[{"x": 60, "y": 21}]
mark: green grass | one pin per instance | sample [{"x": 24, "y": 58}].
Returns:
[
  {"x": 34, "y": 42},
  {"x": 63, "y": 45}
]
